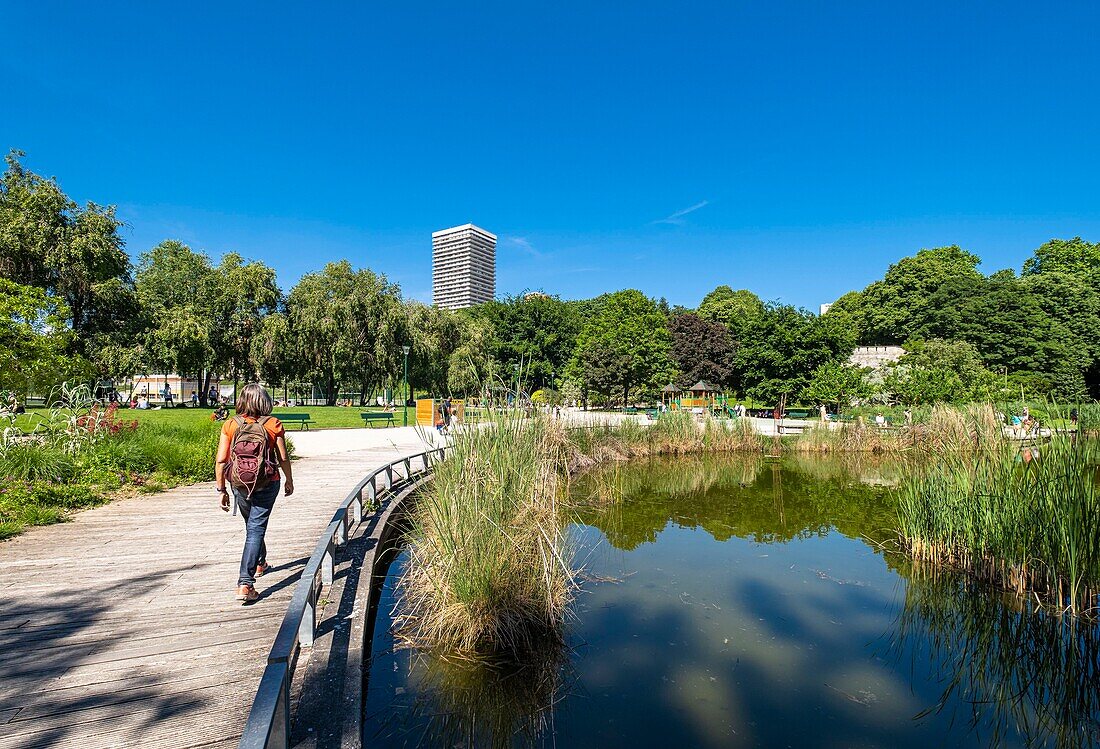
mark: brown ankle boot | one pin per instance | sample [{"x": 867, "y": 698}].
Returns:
[{"x": 247, "y": 593}]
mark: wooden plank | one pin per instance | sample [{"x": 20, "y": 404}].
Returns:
[{"x": 120, "y": 629}]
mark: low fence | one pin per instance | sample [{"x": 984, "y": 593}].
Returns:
[{"x": 268, "y": 723}]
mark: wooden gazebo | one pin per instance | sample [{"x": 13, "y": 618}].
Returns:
[
  {"x": 700, "y": 395},
  {"x": 669, "y": 395}
]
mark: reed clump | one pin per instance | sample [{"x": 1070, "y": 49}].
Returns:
[
  {"x": 489, "y": 569},
  {"x": 674, "y": 433},
  {"x": 1027, "y": 520},
  {"x": 945, "y": 428}
]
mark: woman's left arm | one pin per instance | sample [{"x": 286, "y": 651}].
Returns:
[
  {"x": 284, "y": 464},
  {"x": 220, "y": 460}
]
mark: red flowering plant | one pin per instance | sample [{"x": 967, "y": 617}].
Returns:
[{"x": 100, "y": 421}]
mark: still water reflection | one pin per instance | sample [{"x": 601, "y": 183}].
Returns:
[{"x": 738, "y": 602}]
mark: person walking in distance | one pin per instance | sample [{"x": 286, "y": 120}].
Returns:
[
  {"x": 251, "y": 451},
  {"x": 447, "y": 413}
]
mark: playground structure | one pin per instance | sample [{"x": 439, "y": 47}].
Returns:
[{"x": 701, "y": 397}]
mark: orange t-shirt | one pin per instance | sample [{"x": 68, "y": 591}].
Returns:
[{"x": 272, "y": 426}]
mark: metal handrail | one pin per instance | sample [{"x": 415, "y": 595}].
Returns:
[{"x": 268, "y": 723}]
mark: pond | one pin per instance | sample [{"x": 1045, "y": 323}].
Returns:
[{"x": 742, "y": 602}]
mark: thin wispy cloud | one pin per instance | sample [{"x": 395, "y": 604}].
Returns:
[
  {"x": 677, "y": 219},
  {"x": 523, "y": 244}
]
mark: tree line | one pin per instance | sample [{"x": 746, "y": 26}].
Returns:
[{"x": 74, "y": 306}]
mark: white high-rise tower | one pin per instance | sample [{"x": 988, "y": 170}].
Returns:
[{"x": 464, "y": 267}]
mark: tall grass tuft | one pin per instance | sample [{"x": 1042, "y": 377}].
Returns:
[
  {"x": 489, "y": 570},
  {"x": 944, "y": 428},
  {"x": 1026, "y": 520},
  {"x": 32, "y": 460}
]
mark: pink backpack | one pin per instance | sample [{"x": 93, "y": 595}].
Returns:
[{"x": 252, "y": 461}]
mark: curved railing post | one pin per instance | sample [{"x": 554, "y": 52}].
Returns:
[
  {"x": 328, "y": 563},
  {"x": 342, "y": 529}
]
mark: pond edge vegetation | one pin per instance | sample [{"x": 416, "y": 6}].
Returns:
[{"x": 490, "y": 570}]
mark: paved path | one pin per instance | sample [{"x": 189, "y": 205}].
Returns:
[{"x": 120, "y": 629}]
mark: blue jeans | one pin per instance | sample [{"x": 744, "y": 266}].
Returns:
[{"x": 256, "y": 511}]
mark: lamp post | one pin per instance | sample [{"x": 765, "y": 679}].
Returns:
[{"x": 405, "y": 405}]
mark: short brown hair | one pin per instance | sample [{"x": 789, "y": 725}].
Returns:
[{"x": 254, "y": 401}]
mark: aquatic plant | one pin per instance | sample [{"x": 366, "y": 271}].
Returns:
[
  {"x": 489, "y": 568},
  {"x": 1015, "y": 669},
  {"x": 942, "y": 428},
  {"x": 1027, "y": 520}
]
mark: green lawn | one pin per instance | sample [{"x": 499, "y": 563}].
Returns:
[
  {"x": 41, "y": 483},
  {"x": 325, "y": 417}
]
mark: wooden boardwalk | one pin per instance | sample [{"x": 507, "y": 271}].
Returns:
[{"x": 120, "y": 629}]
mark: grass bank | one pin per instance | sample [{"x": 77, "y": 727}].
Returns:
[
  {"x": 45, "y": 476},
  {"x": 1027, "y": 521},
  {"x": 324, "y": 417},
  {"x": 963, "y": 429}
]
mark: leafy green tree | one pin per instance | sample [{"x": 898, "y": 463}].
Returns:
[
  {"x": 1074, "y": 256},
  {"x": 203, "y": 319},
  {"x": 702, "y": 350},
  {"x": 836, "y": 383},
  {"x": 243, "y": 294},
  {"x": 625, "y": 347},
  {"x": 34, "y": 340},
  {"x": 75, "y": 254},
  {"x": 849, "y": 309},
  {"x": 271, "y": 351},
  {"x": 778, "y": 355},
  {"x": 1064, "y": 279},
  {"x": 740, "y": 311},
  {"x": 938, "y": 371},
  {"x": 471, "y": 365},
  {"x": 178, "y": 289},
  {"x": 998, "y": 315},
  {"x": 536, "y": 331},
  {"x": 894, "y": 308}
]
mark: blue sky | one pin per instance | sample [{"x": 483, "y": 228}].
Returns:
[{"x": 795, "y": 149}]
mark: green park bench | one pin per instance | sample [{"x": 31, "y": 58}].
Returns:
[
  {"x": 369, "y": 416},
  {"x": 301, "y": 419},
  {"x": 797, "y": 414}
]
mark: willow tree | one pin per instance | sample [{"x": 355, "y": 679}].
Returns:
[{"x": 347, "y": 328}]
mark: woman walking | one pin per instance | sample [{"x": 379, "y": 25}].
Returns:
[{"x": 251, "y": 451}]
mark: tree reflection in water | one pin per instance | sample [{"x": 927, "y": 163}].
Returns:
[
  {"x": 741, "y": 496},
  {"x": 1019, "y": 671}
]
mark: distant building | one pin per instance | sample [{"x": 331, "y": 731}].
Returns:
[
  {"x": 825, "y": 308},
  {"x": 463, "y": 267},
  {"x": 875, "y": 356},
  {"x": 152, "y": 385}
]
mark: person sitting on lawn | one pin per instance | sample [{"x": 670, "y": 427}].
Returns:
[{"x": 221, "y": 411}]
